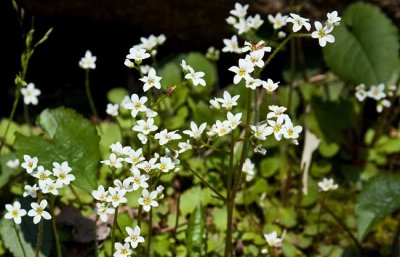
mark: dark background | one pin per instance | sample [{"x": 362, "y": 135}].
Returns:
[{"x": 109, "y": 28}]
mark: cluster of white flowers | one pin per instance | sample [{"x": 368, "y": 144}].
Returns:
[
  {"x": 48, "y": 182},
  {"x": 30, "y": 94},
  {"x": 196, "y": 78},
  {"x": 131, "y": 241},
  {"x": 379, "y": 93},
  {"x": 144, "y": 50},
  {"x": 239, "y": 21}
]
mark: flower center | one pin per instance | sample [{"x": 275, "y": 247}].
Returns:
[
  {"x": 15, "y": 213},
  {"x": 39, "y": 211},
  {"x": 147, "y": 201},
  {"x": 277, "y": 128}
]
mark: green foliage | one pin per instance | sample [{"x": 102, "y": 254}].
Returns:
[
  {"x": 378, "y": 199},
  {"x": 70, "y": 137},
  {"x": 196, "y": 233},
  {"x": 116, "y": 95},
  {"x": 366, "y": 48}
]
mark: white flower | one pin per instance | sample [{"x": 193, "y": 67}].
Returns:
[
  {"x": 327, "y": 185},
  {"x": 134, "y": 157},
  {"x": 116, "y": 196},
  {"x": 232, "y": 45},
  {"x": 148, "y": 166},
  {"x": 333, "y": 18},
  {"x": 259, "y": 47},
  {"x": 136, "y": 104},
  {"x": 272, "y": 239},
  {"x": 196, "y": 131},
  {"x": 185, "y": 67},
  {"x": 160, "y": 189},
  {"x": 234, "y": 119},
  {"x": 231, "y": 20},
  {"x": 277, "y": 128},
  {"x": 281, "y": 34},
  {"x": 256, "y": 58},
  {"x": 298, "y": 22},
  {"x": 129, "y": 64},
  {"x": 43, "y": 176},
  {"x": 149, "y": 43},
  {"x": 112, "y": 109},
  {"x": 15, "y": 212},
  {"x": 120, "y": 150},
  {"x": 88, "y": 61},
  {"x": 113, "y": 161},
  {"x": 259, "y": 149},
  {"x": 164, "y": 136},
  {"x": 161, "y": 39},
  {"x": 240, "y": 11},
  {"x": 150, "y": 113},
  {"x": 212, "y": 53},
  {"x": 126, "y": 185},
  {"x": 151, "y": 80},
  {"x": 361, "y": 94},
  {"x": 290, "y": 132},
  {"x": 270, "y": 86},
  {"x": 138, "y": 179},
  {"x": 50, "y": 187},
  {"x": 242, "y": 26},
  {"x": 147, "y": 200},
  {"x": 278, "y": 21},
  {"x": 184, "y": 146},
  {"x": 103, "y": 210},
  {"x": 38, "y": 212},
  {"x": 145, "y": 127},
  {"x": 165, "y": 164},
  {"x": 196, "y": 77},
  {"x": 30, "y": 94},
  {"x": 13, "y": 164},
  {"x": 222, "y": 128},
  {"x": 122, "y": 250},
  {"x": 242, "y": 72},
  {"x": 137, "y": 54},
  {"x": 261, "y": 131},
  {"x": 145, "y": 69},
  {"x": 133, "y": 237},
  {"x": 253, "y": 83},
  {"x": 322, "y": 33},
  {"x": 30, "y": 191},
  {"x": 384, "y": 103},
  {"x": 377, "y": 92},
  {"x": 248, "y": 169},
  {"x": 214, "y": 104},
  {"x": 62, "y": 173},
  {"x": 277, "y": 111},
  {"x": 100, "y": 194},
  {"x": 255, "y": 22},
  {"x": 228, "y": 101}
]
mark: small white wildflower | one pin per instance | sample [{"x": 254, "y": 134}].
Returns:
[
  {"x": 232, "y": 45},
  {"x": 145, "y": 126},
  {"x": 100, "y": 194},
  {"x": 322, "y": 33},
  {"x": 61, "y": 172},
  {"x": 195, "y": 131},
  {"x": 240, "y": 11},
  {"x": 228, "y": 101},
  {"x": 234, "y": 119},
  {"x": 147, "y": 200},
  {"x": 196, "y": 77},
  {"x": 122, "y": 250},
  {"x": 273, "y": 240},
  {"x": 164, "y": 136},
  {"x": 298, "y": 22},
  {"x": 278, "y": 21},
  {"x": 215, "y": 104},
  {"x": 333, "y": 18},
  {"x": 384, "y": 103},
  {"x": 361, "y": 94},
  {"x": 133, "y": 237},
  {"x": 270, "y": 86},
  {"x": 113, "y": 161},
  {"x": 377, "y": 92},
  {"x": 249, "y": 169},
  {"x": 30, "y": 93},
  {"x": 327, "y": 185},
  {"x": 165, "y": 164},
  {"x": 261, "y": 132},
  {"x": 15, "y": 212},
  {"x": 13, "y": 164},
  {"x": 112, "y": 109},
  {"x": 137, "y": 54},
  {"x": 151, "y": 80},
  {"x": 88, "y": 61},
  {"x": 242, "y": 71},
  {"x": 184, "y": 146},
  {"x": 38, "y": 211},
  {"x": 103, "y": 210},
  {"x": 136, "y": 105},
  {"x": 116, "y": 196},
  {"x": 30, "y": 191},
  {"x": 139, "y": 180}
]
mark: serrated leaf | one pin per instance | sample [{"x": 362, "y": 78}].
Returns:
[
  {"x": 72, "y": 138},
  {"x": 379, "y": 198},
  {"x": 357, "y": 54},
  {"x": 196, "y": 233}
]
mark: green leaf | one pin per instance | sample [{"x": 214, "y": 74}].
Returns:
[
  {"x": 72, "y": 138},
  {"x": 328, "y": 149},
  {"x": 270, "y": 166},
  {"x": 379, "y": 198},
  {"x": 171, "y": 74},
  {"x": 7, "y": 173},
  {"x": 366, "y": 47},
  {"x": 116, "y": 95},
  {"x": 189, "y": 200},
  {"x": 196, "y": 233}
]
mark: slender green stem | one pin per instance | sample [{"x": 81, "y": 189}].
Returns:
[
  {"x": 39, "y": 238},
  {"x": 344, "y": 226},
  {"x": 89, "y": 94},
  {"x": 205, "y": 182},
  {"x": 11, "y": 117},
  {"x": 139, "y": 223},
  {"x": 19, "y": 239},
  {"x": 114, "y": 226},
  {"x": 149, "y": 235},
  {"x": 55, "y": 230},
  {"x": 178, "y": 202}
]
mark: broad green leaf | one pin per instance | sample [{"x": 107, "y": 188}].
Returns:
[
  {"x": 171, "y": 74},
  {"x": 270, "y": 166},
  {"x": 328, "y": 149},
  {"x": 379, "y": 198},
  {"x": 196, "y": 233},
  {"x": 366, "y": 48},
  {"x": 72, "y": 138},
  {"x": 6, "y": 173},
  {"x": 109, "y": 133},
  {"x": 189, "y": 200},
  {"x": 116, "y": 95}
]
